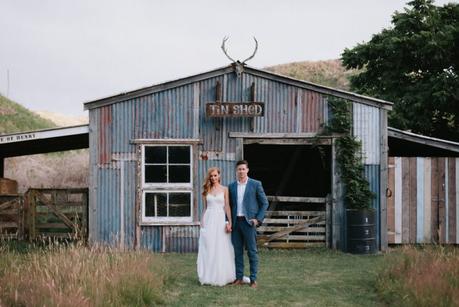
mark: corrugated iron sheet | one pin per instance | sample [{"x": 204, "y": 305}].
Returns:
[
  {"x": 366, "y": 129},
  {"x": 169, "y": 114}
]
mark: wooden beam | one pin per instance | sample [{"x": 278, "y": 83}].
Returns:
[
  {"x": 293, "y": 245},
  {"x": 294, "y": 199},
  {"x": 273, "y": 135},
  {"x": 384, "y": 181},
  {"x": 294, "y": 213},
  {"x": 299, "y": 141},
  {"x": 289, "y": 230}
]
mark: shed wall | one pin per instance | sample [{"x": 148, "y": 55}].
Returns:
[
  {"x": 423, "y": 206},
  {"x": 171, "y": 114}
]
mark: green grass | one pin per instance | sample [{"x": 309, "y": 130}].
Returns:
[
  {"x": 102, "y": 277},
  {"x": 16, "y": 118},
  {"x": 313, "y": 277}
]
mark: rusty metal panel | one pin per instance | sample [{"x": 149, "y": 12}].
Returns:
[
  {"x": 210, "y": 128},
  {"x": 123, "y": 126},
  {"x": 104, "y": 134},
  {"x": 366, "y": 128},
  {"x": 313, "y": 105}
]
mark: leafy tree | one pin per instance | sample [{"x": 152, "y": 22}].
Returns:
[{"x": 414, "y": 64}]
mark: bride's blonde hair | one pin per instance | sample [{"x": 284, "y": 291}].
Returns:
[{"x": 207, "y": 183}]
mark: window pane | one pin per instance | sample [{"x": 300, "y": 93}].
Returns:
[
  {"x": 155, "y": 173},
  {"x": 155, "y": 154},
  {"x": 179, "y": 154},
  {"x": 179, "y": 204},
  {"x": 160, "y": 199},
  {"x": 179, "y": 173}
]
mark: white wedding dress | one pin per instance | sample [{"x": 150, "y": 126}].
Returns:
[{"x": 215, "y": 263}]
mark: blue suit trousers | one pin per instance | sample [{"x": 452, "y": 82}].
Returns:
[{"x": 242, "y": 233}]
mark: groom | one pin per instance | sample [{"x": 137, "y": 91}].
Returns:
[{"x": 248, "y": 205}]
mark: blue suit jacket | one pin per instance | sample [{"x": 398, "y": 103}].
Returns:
[{"x": 255, "y": 202}]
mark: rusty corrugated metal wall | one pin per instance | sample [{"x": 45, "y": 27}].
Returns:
[{"x": 170, "y": 114}]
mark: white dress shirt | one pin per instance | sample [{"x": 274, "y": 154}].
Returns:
[{"x": 240, "y": 197}]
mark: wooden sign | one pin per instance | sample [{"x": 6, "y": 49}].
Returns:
[{"x": 235, "y": 109}]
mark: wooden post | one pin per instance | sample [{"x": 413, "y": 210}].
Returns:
[
  {"x": 383, "y": 213},
  {"x": 138, "y": 199},
  {"x": 218, "y": 92},
  {"x": 2, "y": 167},
  {"x": 328, "y": 210},
  {"x": 252, "y": 99}
]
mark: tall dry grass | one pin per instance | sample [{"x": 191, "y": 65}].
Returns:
[
  {"x": 63, "y": 275},
  {"x": 421, "y": 276}
]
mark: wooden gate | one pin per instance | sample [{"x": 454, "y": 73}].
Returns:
[
  {"x": 283, "y": 228},
  {"x": 57, "y": 213},
  {"x": 11, "y": 217}
]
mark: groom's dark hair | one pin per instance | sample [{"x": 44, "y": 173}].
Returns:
[{"x": 240, "y": 162}]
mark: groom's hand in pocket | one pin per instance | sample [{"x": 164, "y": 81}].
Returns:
[{"x": 254, "y": 222}]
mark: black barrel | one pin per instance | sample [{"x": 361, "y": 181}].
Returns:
[{"x": 361, "y": 231}]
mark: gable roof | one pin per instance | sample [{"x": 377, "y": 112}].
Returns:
[{"x": 231, "y": 69}]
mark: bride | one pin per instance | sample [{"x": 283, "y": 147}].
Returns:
[{"x": 215, "y": 263}]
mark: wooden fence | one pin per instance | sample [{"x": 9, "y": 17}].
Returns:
[
  {"x": 43, "y": 213},
  {"x": 11, "y": 217},
  {"x": 57, "y": 213},
  {"x": 295, "y": 222},
  {"x": 423, "y": 200}
]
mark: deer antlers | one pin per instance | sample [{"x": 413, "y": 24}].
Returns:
[{"x": 232, "y": 60}]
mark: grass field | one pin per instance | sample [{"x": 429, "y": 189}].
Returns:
[
  {"x": 75, "y": 275},
  {"x": 314, "y": 277}
]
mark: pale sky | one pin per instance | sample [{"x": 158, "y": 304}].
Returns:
[{"x": 59, "y": 54}]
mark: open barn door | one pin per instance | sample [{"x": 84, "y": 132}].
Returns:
[{"x": 297, "y": 181}]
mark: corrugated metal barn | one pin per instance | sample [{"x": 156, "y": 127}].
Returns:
[{"x": 150, "y": 149}]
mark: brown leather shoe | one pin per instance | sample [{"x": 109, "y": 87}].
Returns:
[
  {"x": 253, "y": 284},
  {"x": 237, "y": 282}
]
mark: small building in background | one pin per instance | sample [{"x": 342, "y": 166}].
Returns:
[{"x": 423, "y": 189}]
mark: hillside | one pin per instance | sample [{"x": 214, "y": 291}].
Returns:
[
  {"x": 63, "y": 120},
  {"x": 16, "y": 118},
  {"x": 54, "y": 170},
  {"x": 329, "y": 73}
]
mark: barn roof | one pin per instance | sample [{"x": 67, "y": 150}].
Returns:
[
  {"x": 229, "y": 69},
  {"x": 44, "y": 141},
  {"x": 405, "y": 143}
]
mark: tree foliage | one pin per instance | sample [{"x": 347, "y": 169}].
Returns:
[{"x": 414, "y": 64}]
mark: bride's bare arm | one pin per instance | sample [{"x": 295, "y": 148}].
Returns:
[
  {"x": 204, "y": 203},
  {"x": 227, "y": 207}
]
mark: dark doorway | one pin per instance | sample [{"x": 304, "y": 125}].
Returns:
[{"x": 291, "y": 170}]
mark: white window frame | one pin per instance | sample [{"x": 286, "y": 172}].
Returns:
[{"x": 151, "y": 187}]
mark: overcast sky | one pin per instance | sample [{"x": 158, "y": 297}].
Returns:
[{"x": 59, "y": 54}]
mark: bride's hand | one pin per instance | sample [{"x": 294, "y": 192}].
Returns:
[{"x": 228, "y": 228}]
